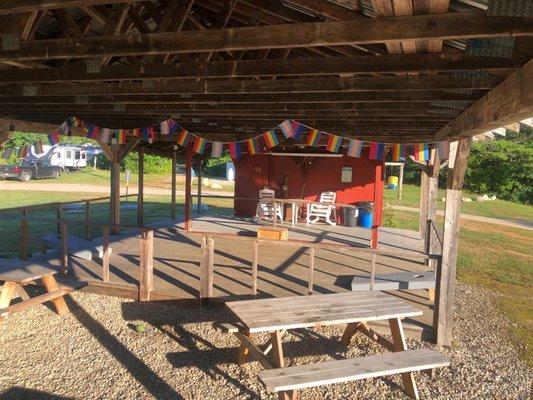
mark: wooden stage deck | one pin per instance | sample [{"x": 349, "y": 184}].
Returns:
[{"x": 282, "y": 270}]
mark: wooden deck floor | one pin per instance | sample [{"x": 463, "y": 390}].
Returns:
[{"x": 282, "y": 271}]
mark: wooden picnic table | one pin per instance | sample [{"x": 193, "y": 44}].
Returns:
[
  {"x": 276, "y": 315},
  {"x": 17, "y": 273}
]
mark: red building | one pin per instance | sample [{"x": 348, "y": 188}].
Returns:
[{"x": 305, "y": 176}]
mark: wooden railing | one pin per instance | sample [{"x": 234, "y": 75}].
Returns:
[
  {"x": 146, "y": 258},
  {"x": 25, "y": 218},
  {"x": 208, "y": 250}
]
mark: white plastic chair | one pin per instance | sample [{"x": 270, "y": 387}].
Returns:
[
  {"x": 267, "y": 210},
  {"x": 324, "y": 210}
]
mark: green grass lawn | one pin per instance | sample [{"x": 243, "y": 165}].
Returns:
[
  {"x": 88, "y": 176},
  {"x": 497, "y": 208},
  {"x": 498, "y": 258}
]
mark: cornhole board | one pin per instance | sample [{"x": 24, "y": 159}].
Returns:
[
  {"x": 396, "y": 281},
  {"x": 76, "y": 246},
  {"x": 272, "y": 232}
]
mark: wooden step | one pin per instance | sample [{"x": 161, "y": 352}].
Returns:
[
  {"x": 76, "y": 246},
  {"x": 306, "y": 376},
  {"x": 32, "y": 302}
]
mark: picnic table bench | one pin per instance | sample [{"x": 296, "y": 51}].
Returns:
[
  {"x": 17, "y": 273},
  {"x": 276, "y": 315}
]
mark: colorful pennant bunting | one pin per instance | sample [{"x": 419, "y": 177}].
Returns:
[
  {"x": 105, "y": 135},
  {"x": 313, "y": 138},
  {"x": 216, "y": 149},
  {"x": 297, "y": 130},
  {"x": 199, "y": 145},
  {"x": 334, "y": 143},
  {"x": 421, "y": 152},
  {"x": 6, "y": 155},
  {"x": 377, "y": 151},
  {"x": 121, "y": 136},
  {"x": 270, "y": 138},
  {"x": 38, "y": 147},
  {"x": 183, "y": 138},
  {"x": 235, "y": 150},
  {"x": 54, "y": 138},
  {"x": 354, "y": 149},
  {"x": 164, "y": 128},
  {"x": 286, "y": 128},
  {"x": 93, "y": 132},
  {"x": 398, "y": 152},
  {"x": 253, "y": 146},
  {"x": 23, "y": 151}
]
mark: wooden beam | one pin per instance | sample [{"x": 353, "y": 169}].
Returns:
[
  {"x": 511, "y": 101},
  {"x": 140, "y": 189},
  {"x": 289, "y": 85},
  {"x": 446, "y": 273},
  {"x": 173, "y": 185},
  {"x": 21, "y": 6},
  {"x": 188, "y": 189},
  {"x": 360, "y": 31},
  {"x": 289, "y": 67}
]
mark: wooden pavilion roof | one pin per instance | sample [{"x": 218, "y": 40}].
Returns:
[{"x": 388, "y": 70}]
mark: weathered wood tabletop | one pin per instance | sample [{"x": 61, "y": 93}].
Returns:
[{"x": 267, "y": 315}]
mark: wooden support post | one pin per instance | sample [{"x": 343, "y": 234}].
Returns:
[
  {"x": 106, "y": 255},
  {"x": 255, "y": 260},
  {"x": 59, "y": 218},
  {"x": 24, "y": 234},
  {"x": 311, "y": 270},
  {"x": 373, "y": 272},
  {"x": 400, "y": 183},
  {"x": 445, "y": 284},
  {"x": 64, "y": 249},
  {"x": 173, "y": 186},
  {"x": 199, "y": 197},
  {"x": 188, "y": 188},
  {"x": 146, "y": 258},
  {"x": 88, "y": 220},
  {"x": 140, "y": 189},
  {"x": 423, "y": 205},
  {"x": 206, "y": 267},
  {"x": 114, "y": 205},
  {"x": 431, "y": 238},
  {"x": 378, "y": 205}
]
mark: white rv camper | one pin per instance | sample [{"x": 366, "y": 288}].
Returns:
[{"x": 66, "y": 156}]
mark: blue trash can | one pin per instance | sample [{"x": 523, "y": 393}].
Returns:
[{"x": 366, "y": 213}]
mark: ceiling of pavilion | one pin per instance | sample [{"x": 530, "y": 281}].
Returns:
[{"x": 400, "y": 90}]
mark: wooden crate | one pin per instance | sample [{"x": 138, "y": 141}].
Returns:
[{"x": 273, "y": 232}]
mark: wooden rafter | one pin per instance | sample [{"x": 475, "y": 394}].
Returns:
[{"x": 420, "y": 27}]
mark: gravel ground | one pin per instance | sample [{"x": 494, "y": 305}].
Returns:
[{"x": 95, "y": 353}]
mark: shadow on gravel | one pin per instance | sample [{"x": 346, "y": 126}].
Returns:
[
  {"x": 159, "y": 388},
  {"x": 19, "y": 393}
]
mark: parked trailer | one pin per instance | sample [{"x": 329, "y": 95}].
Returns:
[{"x": 65, "y": 156}]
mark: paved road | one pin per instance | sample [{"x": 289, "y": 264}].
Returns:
[{"x": 514, "y": 223}]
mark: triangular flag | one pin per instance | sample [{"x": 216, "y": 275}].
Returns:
[
  {"x": 105, "y": 135},
  {"x": 183, "y": 138},
  {"x": 199, "y": 145},
  {"x": 164, "y": 128},
  {"x": 398, "y": 152}
]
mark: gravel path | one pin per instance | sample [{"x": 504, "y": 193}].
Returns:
[{"x": 94, "y": 353}]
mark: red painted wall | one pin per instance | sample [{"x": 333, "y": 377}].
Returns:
[{"x": 323, "y": 174}]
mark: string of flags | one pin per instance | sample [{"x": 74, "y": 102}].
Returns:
[{"x": 290, "y": 129}]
